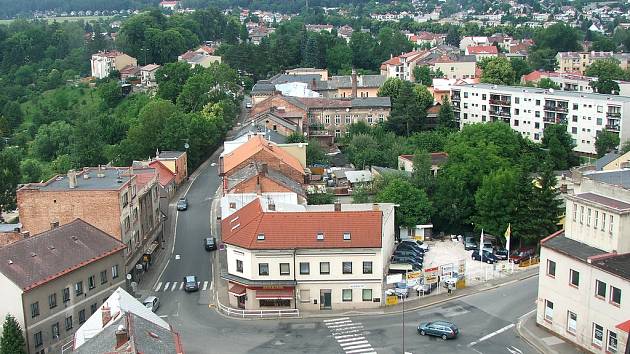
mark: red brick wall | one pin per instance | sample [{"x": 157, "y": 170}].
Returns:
[
  {"x": 275, "y": 101},
  {"x": 39, "y": 208},
  {"x": 7, "y": 238},
  {"x": 181, "y": 164},
  {"x": 272, "y": 161}
]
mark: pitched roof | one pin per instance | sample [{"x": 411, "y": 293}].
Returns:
[
  {"x": 575, "y": 249},
  {"x": 255, "y": 145},
  {"x": 44, "y": 257},
  {"x": 292, "y": 230},
  {"x": 606, "y": 159},
  {"x": 617, "y": 264},
  {"x": 604, "y": 201},
  {"x": 482, "y": 49},
  {"x": 150, "y": 67},
  {"x": 255, "y": 169},
  {"x": 143, "y": 176},
  {"x": 165, "y": 175}
]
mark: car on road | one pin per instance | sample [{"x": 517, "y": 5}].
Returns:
[
  {"x": 443, "y": 329},
  {"x": 182, "y": 204},
  {"x": 501, "y": 254},
  {"x": 152, "y": 303},
  {"x": 487, "y": 257},
  {"x": 210, "y": 243},
  {"x": 190, "y": 283},
  {"x": 522, "y": 254}
]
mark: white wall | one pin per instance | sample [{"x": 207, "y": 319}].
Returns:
[
  {"x": 11, "y": 301},
  {"x": 242, "y": 199}
]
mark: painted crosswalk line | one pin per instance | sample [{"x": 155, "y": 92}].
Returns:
[{"x": 349, "y": 335}]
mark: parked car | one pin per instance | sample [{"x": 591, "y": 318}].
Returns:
[
  {"x": 487, "y": 246},
  {"x": 470, "y": 243},
  {"x": 248, "y": 105},
  {"x": 210, "y": 243},
  {"x": 400, "y": 292},
  {"x": 522, "y": 254},
  {"x": 501, "y": 254},
  {"x": 406, "y": 259},
  {"x": 442, "y": 329},
  {"x": 404, "y": 248},
  {"x": 409, "y": 254},
  {"x": 487, "y": 257},
  {"x": 152, "y": 303},
  {"x": 190, "y": 283},
  {"x": 424, "y": 289},
  {"x": 416, "y": 245},
  {"x": 182, "y": 204}
]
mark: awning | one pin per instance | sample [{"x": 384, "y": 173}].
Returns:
[
  {"x": 624, "y": 326},
  {"x": 237, "y": 290},
  {"x": 274, "y": 294}
]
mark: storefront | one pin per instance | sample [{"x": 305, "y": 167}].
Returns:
[{"x": 261, "y": 297}]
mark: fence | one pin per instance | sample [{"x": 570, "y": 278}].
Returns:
[
  {"x": 280, "y": 313},
  {"x": 528, "y": 262}
]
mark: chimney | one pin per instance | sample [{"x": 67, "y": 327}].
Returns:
[
  {"x": 337, "y": 205},
  {"x": 121, "y": 336},
  {"x": 271, "y": 206},
  {"x": 99, "y": 173},
  {"x": 54, "y": 224},
  {"x": 354, "y": 83},
  {"x": 72, "y": 179},
  {"x": 376, "y": 207},
  {"x": 106, "y": 314},
  {"x": 264, "y": 169},
  {"x": 26, "y": 234}
]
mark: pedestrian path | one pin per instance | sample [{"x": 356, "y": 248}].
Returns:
[
  {"x": 349, "y": 335},
  {"x": 174, "y": 285}
]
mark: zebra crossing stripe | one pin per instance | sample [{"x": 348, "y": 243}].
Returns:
[
  {"x": 350, "y": 344},
  {"x": 205, "y": 285},
  {"x": 362, "y": 350},
  {"x": 336, "y": 319},
  {"x": 363, "y": 346},
  {"x": 158, "y": 286},
  {"x": 181, "y": 286},
  {"x": 354, "y": 337},
  {"x": 174, "y": 286},
  {"x": 166, "y": 286}
]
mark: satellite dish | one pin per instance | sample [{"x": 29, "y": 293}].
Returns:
[{"x": 186, "y": 146}]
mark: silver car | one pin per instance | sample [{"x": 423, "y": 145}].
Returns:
[{"x": 152, "y": 303}]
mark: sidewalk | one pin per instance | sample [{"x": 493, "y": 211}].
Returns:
[{"x": 541, "y": 339}]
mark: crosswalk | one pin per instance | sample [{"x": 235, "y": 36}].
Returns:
[
  {"x": 172, "y": 286},
  {"x": 349, "y": 335}
]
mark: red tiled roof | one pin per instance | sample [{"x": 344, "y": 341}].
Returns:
[
  {"x": 291, "y": 230},
  {"x": 407, "y": 157},
  {"x": 482, "y": 49},
  {"x": 237, "y": 289},
  {"x": 624, "y": 326},
  {"x": 165, "y": 175},
  {"x": 533, "y": 76},
  {"x": 188, "y": 55},
  {"x": 206, "y": 49},
  {"x": 143, "y": 178},
  {"x": 392, "y": 61},
  {"x": 254, "y": 145}
]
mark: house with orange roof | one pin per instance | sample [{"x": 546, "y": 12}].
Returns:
[
  {"x": 104, "y": 63},
  {"x": 310, "y": 258},
  {"x": 482, "y": 51},
  {"x": 402, "y": 65}
]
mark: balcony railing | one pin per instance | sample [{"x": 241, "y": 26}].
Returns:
[
  {"x": 456, "y": 98},
  {"x": 614, "y": 127},
  {"x": 549, "y": 119},
  {"x": 500, "y": 113},
  {"x": 556, "y": 108},
  {"x": 499, "y": 102},
  {"x": 613, "y": 114}
]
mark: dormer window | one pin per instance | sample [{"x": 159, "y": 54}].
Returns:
[
  {"x": 260, "y": 237},
  {"x": 346, "y": 236},
  {"x": 320, "y": 236}
]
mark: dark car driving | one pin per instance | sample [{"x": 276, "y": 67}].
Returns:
[
  {"x": 442, "y": 329},
  {"x": 210, "y": 243},
  {"x": 190, "y": 283},
  {"x": 182, "y": 204}
]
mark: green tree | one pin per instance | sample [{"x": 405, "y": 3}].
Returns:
[
  {"x": 543, "y": 59},
  {"x": 625, "y": 147},
  {"x": 111, "y": 93},
  {"x": 360, "y": 194},
  {"x": 606, "y": 141},
  {"x": 446, "y": 115},
  {"x": 498, "y": 71},
  {"x": 364, "y": 151},
  {"x": 560, "y": 145},
  {"x": 521, "y": 67},
  {"x": 13, "y": 113},
  {"x": 423, "y": 75},
  {"x": 295, "y": 137},
  {"x": 546, "y": 204},
  {"x": 391, "y": 88},
  {"x": 9, "y": 177},
  {"x": 320, "y": 198},
  {"x": 606, "y": 71},
  {"x": 12, "y": 341},
  {"x": 547, "y": 83},
  {"x": 339, "y": 58},
  {"x": 494, "y": 201},
  {"x": 414, "y": 205},
  {"x": 452, "y": 36},
  {"x": 559, "y": 37},
  {"x": 31, "y": 170},
  {"x": 171, "y": 79},
  {"x": 605, "y": 86},
  {"x": 315, "y": 154},
  {"x": 421, "y": 176}
]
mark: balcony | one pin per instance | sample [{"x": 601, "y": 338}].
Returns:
[
  {"x": 456, "y": 97},
  {"x": 556, "y": 108},
  {"x": 612, "y": 127},
  {"x": 549, "y": 119},
  {"x": 499, "y": 102},
  {"x": 500, "y": 113},
  {"x": 613, "y": 114}
]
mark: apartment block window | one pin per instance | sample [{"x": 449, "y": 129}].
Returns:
[
  {"x": 574, "y": 118},
  {"x": 93, "y": 308},
  {"x": 92, "y": 282},
  {"x": 581, "y": 214},
  {"x": 381, "y": 118},
  {"x": 595, "y": 219},
  {"x": 548, "y": 310},
  {"x": 575, "y": 106},
  {"x": 78, "y": 288},
  {"x": 517, "y": 112},
  {"x": 516, "y": 122},
  {"x": 465, "y": 105},
  {"x": 284, "y": 269},
  {"x": 347, "y": 267},
  {"x": 305, "y": 268},
  {"x": 239, "y": 266},
  {"x": 483, "y": 96},
  {"x": 600, "y": 289},
  {"x": 115, "y": 271},
  {"x": 66, "y": 294},
  {"x": 610, "y": 224},
  {"x": 612, "y": 342},
  {"x": 574, "y": 211},
  {"x": 324, "y": 267},
  {"x": 537, "y": 125},
  {"x": 598, "y": 334},
  {"x": 104, "y": 277},
  {"x": 537, "y": 102},
  {"x": 551, "y": 268},
  {"x": 127, "y": 223},
  {"x": 517, "y": 100},
  {"x": 483, "y": 107},
  {"x": 588, "y": 217},
  {"x": 263, "y": 268},
  {"x": 347, "y": 295},
  {"x": 35, "y": 309},
  {"x": 337, "y": 119},
  {"x": 571, "y": 322},
  {"x": 603, "y": 221},
  {"x": 367, "y": 267},
  {"x": 366, "y": 295},
  {"x": 52, "y": 300},
  {"x": 81, "y": 316},
  {"x": 55, "y": 330},
  {"x": 68, "y": 323},
  {"x": 369, "y": 119},
  {"x": 599, "y": 121},
  {"x": 465, "y": 94},
  {"x": 38, "y": 339},
  {"x": 615, "y": 295},
  {"x": 348, "y": 120},
  {"x": 574, "y": 277}
]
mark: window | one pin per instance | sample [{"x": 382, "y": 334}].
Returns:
[
  {"x": 82, "y": 316},
  {"x": 465, "y": 105},
  {"x": 346, "y": 236},
  {"x": 517, "y": 112},
  {"x": 115, "y": 271},
  {"x": 78, "y": 288},
  {"x": 575, "y": 106},
  {"x": 517, "y": 100},
  {"x": 347, "y": 295},
  {"x": 573, "y": 130},
  {"x": 52, "y": 300},
  {"x": 327, "y": 118},
  {"x": 603, "y": 221},
  {"x": 588, "y": 217},
  {"x": 66, "y": 294},
  {"x": 93, "y": 308},
  {"x": 574, "y": 118},
  {"x": 127, "y": 223},
  {"x": 571, "y": 322},
  {"x": 91, "y": 282},
  {"x": 610, "y": 224},
  {"x": 483, "y": 107},
  {"x": 369, "y": 118},
  {"x": 574, "y": 277},
  {"x": 285, "y": 269},
  {"x": 347, "y": 267},
  {"x": 537, "y": 102},
  {"x": 615, "y": 295},
  {"x": 239, "y": 266},
  {"x": 38, "y": 339},
  {"x": 598, "y": 334},
  {"x": 55, "y": 330},
  {"x": 263, "y": 268},
  {"x": 68, "y": 323},
  {"x": 599, "y": 121},
  {"x": 320, "y": 236},
  {"x": 465, "y": 94},
  {"x": 595, "y": 219},
  {"x": 35, "y": 309},
  {"x": 305, "y": 268},
  {"x": 551, "y": 268},
  {"x": 348, "y": 120},
  {"x": 612, "y": 342},
  {"x": 548, "y": 310},
  {"x": 574, "y": 211},
  {"x": 324, "y": 267},
  {"x": 104, "y": 277},
  {"x": 516, "y": 122},
  {"x": 600, "y": 289},
  {"x": 367, "y": 295},
  {"x": 337, "y": 119},
  {"x": 581, "y": 214},
  {"x": 536, "y": 125},
  {"x": 367, "y": 267}
]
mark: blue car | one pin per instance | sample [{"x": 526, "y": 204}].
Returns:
[
  {"x": 442, "y": 329},
  {"x": 487, "y": 257}
]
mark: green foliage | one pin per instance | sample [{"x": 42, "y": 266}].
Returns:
[
  {"x": 315, "y": 154},
  {"x": 446, "y": 116},
  {"x": 494, "y": 201},
  {"x": 547, "y": 83},
  {"x": 421, "y": 176},
  {"x": 414, "y": 205},
  {"x": 320, "y": 198},
  {"x": 171, "y": 79},
  {"x": 111, "y": 93},
  {"x": 12, "y": 341},
  {"x": 606, "y": 141},
  {"x": 409, "y": 105},
  {"x": 521, "y": 67},
  {"x": 9, "y": 176},
  {"x": 625, "y": 148},
  {"x": 295, "y": 137},
  {"x": 424, "y": 75},
  {"x": 560, "y": 145},
  {"x": 360, "y": 194},
  {"x": 498, "y": 71}
]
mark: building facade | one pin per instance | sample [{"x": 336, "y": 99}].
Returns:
[
  {"x": 578, "y": 62},
  {"x": 585, "y": 269},
  {"x": 104, "y": 63},
  {"x": 52, "y": 282},
  {"x": 529, "y": 110}
]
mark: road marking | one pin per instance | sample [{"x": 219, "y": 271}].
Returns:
[
  {"x": 174, "y": 285},
  {"x": 348, "y": 336},
  {"x": 357, "y": 337},
  {"x": 350, "y": 344},
  {"x": 163, "y": 316},
  {"x": 177, "y": 257},
  {"x": 166, "y": 286},
  {"x": 198, "y": 283},
  {"x": 158, "y": 286},
  {"x": 342, "y": 325},
  {"x": 205, "y": 285},
  {"x": 211, "y": 284},
  {"x": 338, "y": 322},
  {"x": 514, "y": 350},
  {"x": 336, "y": 319},
  {"x": 364, "y": 345},
  {"x": 498, "y": 331},
  {"x": 181, "y": 286},
  {"x": 361, "y": 350},
  {"x": 345, "y": 336}
]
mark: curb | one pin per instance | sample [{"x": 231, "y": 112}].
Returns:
[{"x": 520, "y": 331}]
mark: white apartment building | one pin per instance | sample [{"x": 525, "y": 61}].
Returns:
[
  {"x": 529, "y": 110},
  {"x": 585, "y": 269},
  {"x": 103, "y": 63},
  {"x": 320, "y": 258}
]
